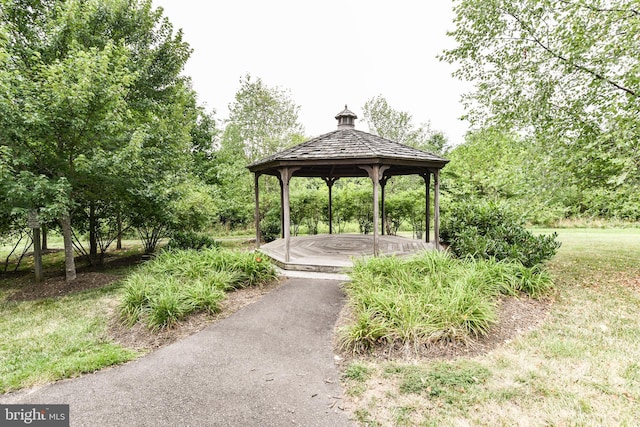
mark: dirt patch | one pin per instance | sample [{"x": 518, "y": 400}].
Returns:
[
  {"x": 139, "y": 336},
  {"x": 630, "y": 282},
  {"x": 516, "y": 316},
  {"x": 53, "y": 287}
]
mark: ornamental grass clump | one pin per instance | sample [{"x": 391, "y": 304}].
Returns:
[
  {"x": 178, "y": 283},
  {"x": 431, "y": 297}
]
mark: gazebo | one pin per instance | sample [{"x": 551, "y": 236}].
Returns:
[{"x": 347, "y": 152}]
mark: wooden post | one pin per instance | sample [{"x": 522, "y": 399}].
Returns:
[
  {"x": 375, "y": 172},
  {"x": 436, "y": 207},
  {"x": 281, "y": 208},
  {"x": 376, "y": 214},
  {"x": 285, "y": 175},
  {"x": 330, "y": 180},
  {"x": 330, "y": 207},
  {"x": 427, "y": 218},
  {"x": 383, "y": 185},
  {"x": 256, "y": 213}
]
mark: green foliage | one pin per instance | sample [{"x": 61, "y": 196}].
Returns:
[
  {"x": 489, "y": 231},
  {"x": 265, "y": 118},
  {"x": 270, "y": 226},
  {"x": 385, "y": 121},
  {"x": 183, "y": 240},
  {"x": 94, "y": 96},
  {"x": 176, "y": 284},
  {"x": 544, "y": 70},
  {"x": 431, "y": 297}
]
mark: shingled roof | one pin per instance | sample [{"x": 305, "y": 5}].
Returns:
[{"x": 341, "y": 152}]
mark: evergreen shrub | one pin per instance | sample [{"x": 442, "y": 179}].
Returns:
[{"x": 487, "y": 230}]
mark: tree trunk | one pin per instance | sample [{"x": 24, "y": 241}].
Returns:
[
  {"x": 69, "y": 262},
  {"x": 45, "y": 247},
  {"x": 93, "y": 229},
  {"x": 37, "y": 255},
  {"x": 119, "y": 238}
]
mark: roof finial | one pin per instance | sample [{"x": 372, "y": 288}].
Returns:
[{"x": 346, "y": 119}]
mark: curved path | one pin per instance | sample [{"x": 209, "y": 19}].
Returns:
[{"x": 269, "y": 364}]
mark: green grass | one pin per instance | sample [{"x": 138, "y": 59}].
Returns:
[
  {"x": 178, "y": 283},
  {"x": 431, "y": 297},
  {"x": 54, "y": 338},
  {"x": 50, "y": 339},
  {"x": 580, "y": 368}
]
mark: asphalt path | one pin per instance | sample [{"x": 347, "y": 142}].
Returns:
[{"x": 269, "y": 364}]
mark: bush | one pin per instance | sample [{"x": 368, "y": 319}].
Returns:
[
  {"x": 184, "y": 240},
  {"x": 270, "y": 226},
  {"x": 487, "y": 230}
]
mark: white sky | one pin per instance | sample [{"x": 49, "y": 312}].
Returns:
[{"x": 327, "y": 53}]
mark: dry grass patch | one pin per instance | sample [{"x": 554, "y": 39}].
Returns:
[{"x": 579, "y": 367}]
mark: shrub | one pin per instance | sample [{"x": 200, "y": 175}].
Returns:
[
  {"x": 487, "y": 230},
  {"x": 191, "y": 240},
  {"x": 270, "y": 226}
]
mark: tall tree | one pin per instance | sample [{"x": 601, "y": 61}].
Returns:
[
  {"x": 95, "y": 87},
  {"x": 566, "y": 72},
  {"x": 397, "y": 125},
  {"x": 262, "y": 120},
  {"x": 265, "y": 118}
]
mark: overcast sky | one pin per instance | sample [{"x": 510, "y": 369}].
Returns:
[{"x": 327, "y": 54}]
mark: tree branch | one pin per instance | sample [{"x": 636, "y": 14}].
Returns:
[
  {"x": 635, "y": 12},
  {"x": 562, "y": 58}
]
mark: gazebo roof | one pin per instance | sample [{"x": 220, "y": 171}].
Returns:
[{"x": 341, "y": 153}]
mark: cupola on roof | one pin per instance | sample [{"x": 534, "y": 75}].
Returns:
[{"x": 346, "y": 119}]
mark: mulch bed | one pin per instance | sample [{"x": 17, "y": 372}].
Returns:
[
  {"x": 517, "y": 315},
  {"x": 57, "y": 286}
]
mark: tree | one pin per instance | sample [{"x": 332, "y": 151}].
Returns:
[
  {"x": 387, "y": 122},
  {"x": 262, "y": 120},
  {"x": 564, "y": 72},
  {"x": 265, "y": 118},
  {"x": 95, "y": 96},
  {"x": 505, "y": 168}
]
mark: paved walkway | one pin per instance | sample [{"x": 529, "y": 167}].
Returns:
[{"x": 269, "y": 364}]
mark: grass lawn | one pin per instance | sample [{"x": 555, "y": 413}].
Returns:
[
  {"x": 44, "y": 339},
  {"x": 582, "y": 367}
]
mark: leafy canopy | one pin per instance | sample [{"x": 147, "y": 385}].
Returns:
[{"x": 565, "y": 74}]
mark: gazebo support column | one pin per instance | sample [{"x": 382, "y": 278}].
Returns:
[
  {"x": 281, "y": 209},
  {"x": 383, "y": 185},
  {"x": 285, "y": 176},
  {"x": 375, "y": 172},
  {"x": 330, "y": 180},
  {"x": 427, "y": 216},
  {"x": 436, "y": 207},
  {"x": 256, "y": 214}
]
